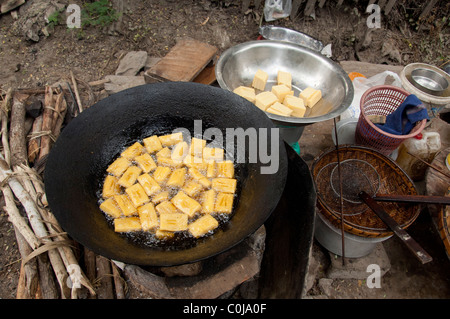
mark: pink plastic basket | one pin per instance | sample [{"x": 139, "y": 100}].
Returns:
[{"x": 382, "y": 100}]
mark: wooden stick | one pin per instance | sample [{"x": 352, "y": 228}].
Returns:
[
  {"x": 61, "y": 108},
  {"x": 28, "y": 281},
  {"x": 74, "y": 270},
  {"x": 34, "y": 143},
  {"x": 118, "y": 282},
  {"x": 17, "y": 137},
  {"x": 47, "y": 118},
  {"x": 430, "y": 165},
  {"x": 77, "y": 94},
  {"x": 105, "y": 289}
]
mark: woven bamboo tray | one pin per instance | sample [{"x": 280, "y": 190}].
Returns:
[{"x": 358, "y": 219}]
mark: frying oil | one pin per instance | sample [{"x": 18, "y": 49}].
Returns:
[{"x": 181, "y": 239}]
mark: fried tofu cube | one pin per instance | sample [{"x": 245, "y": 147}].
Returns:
[
  {"x": 137, "y": 195},
  {"x": 167, "y": 161},
  {"x": 197, "y": 146},
  {"x": 310, "y": 96},
  {"x": 211, "y": 169},
  {"x": 119, "y": 166},
  {"x": 149, "y": 185},
  {"x": 111, "y": 208},
  {"x": 296, "y": 104},
  {"x": 129, "y": 224},
  {"x": 186, "y": 204},
  {"x": 111, "y": 186},
  {"x": 213, "y": 154},
  {"x": 199, "y": 177},
  {"x": 161, "y": 174},
  {"x": 171, "y": 139},
  {"x": 132, "y": 151},
  {"x": 130, "y": 176},
  {"x": 208, "y": 201},
  {"x": 180, "y": 151},
  {"x": 163, "y": 234},
  {"x": 260, "y": 80},
  {"x": 145, "y": 162},
  {"x": 125, "y": 204},
  {"x": 166, "y": 207},
  {"x": 284, "y": 78},
  {"x": 225, "y": 169},
  {"x": 164, "y": 152},
  {"x": 279, "y": 109},
  {"x": 224, "y": 203},
  {"x": 177, "y": 178},
  {"x": 225, "y": 185},
  {"x": 148, "y": 217},
  {"x": 160, "y": 197},
  {"x": 265, "y": 99},
  {"x": 192, "y": 188},
  {"x": 281, "y": 91},
  {"x": 152, "y": 144},
  {"x": 246, "y": 92},
  {"x": 203, "y": 225},
  {"x": 173, "y": 222},
  {"x": 195, "y": 161}
]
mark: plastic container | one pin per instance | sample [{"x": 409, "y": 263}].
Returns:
[
  {"x": 424, "y": 146},
  {"x": 382, "y": 100}
]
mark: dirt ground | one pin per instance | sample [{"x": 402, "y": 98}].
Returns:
[{"x": 154, "y": 26}]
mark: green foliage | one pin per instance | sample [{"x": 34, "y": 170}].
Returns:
[
  {"x": 98, "y": 13},
  {"x": 55, "y": 18}
]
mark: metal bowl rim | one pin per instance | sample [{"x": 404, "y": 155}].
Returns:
[{"x": 296, "y": 121}]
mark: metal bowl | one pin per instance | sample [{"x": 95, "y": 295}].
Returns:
[
  {"x": 429, "y": 81},
  {"x": 238, "y": 65}
]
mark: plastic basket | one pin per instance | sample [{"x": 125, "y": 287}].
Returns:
[{"x": 382, "y": 100}]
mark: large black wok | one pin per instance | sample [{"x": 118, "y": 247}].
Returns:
[{"x": 77, "y": 162}]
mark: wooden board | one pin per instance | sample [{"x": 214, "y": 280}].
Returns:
[{"x": 184, "y": 61}]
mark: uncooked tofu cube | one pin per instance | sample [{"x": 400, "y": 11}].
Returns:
[
  {"x": 281, "y": 91},
  {"x": 279, "y": 109},
  {"x": 260, "y": 80},
  {"x": 265, "y": 99},
  {"x": 310, "y": 96},
  {"x": 246, "y": 92},
  {"x": 284, "y": 78},
  {"x": 296, "y": 104},
  {"x": 122, "y": 225},
  {"x": 203, "y": 225},
  {"x": 111, "y": 208}
]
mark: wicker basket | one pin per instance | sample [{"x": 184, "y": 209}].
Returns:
[
  {"x": 382, "y": 100},
  {"x": 358, "y": 219}
]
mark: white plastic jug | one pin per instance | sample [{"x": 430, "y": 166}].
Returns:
[{"x": 424, "y": 146}]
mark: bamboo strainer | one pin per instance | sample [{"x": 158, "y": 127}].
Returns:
[{"x": 373, "y": 172}]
